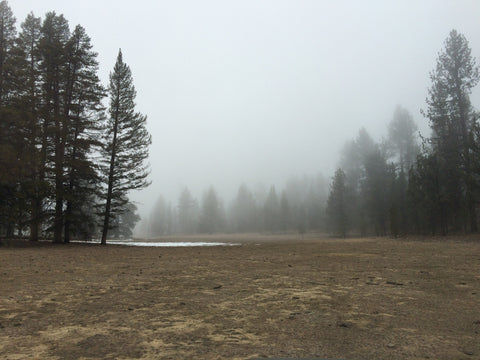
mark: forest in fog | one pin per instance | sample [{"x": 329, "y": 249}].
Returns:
[
  {"x": 405, "y": 184},
  {"x": 72, "y": 149}
]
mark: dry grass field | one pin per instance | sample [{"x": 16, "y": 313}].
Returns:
[{"x": 270, "y": 297}]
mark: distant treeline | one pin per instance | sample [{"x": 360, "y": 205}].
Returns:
[
  {"x": 376, "y": 172},
  {"x": 406, "y": 184},
  {"x": 299, "y": 207},
  {"x": 66, "y": 162}
]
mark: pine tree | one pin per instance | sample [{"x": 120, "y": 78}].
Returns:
[
  {"x": 55, "y": 36},
  {"x": 337, "y": 205},
  {"x": 126, "y": 145},
  {"x": 212, "y": 216},
  {"x": 159, "y": 218},
  {"x": 8, "y": 34},
  {"x": 401, "y": 137},
  {"x": 375, "y": 190},
  {"x": 30, "y": 100},
  {"x": 244, "y": 209},
  {"x": 83, "y": 111},
  {"x": 427, "y": 198},
  {"x": 124, "y": 223},
  {"x": 187, "y": 212},
  {"x": 64, "y": 96},
  {"x": 355, "y": 156},
  {"x": 11, "y": 127},
  {"x": 271, "y": 211},
  {"x": 453, "y": 121}
]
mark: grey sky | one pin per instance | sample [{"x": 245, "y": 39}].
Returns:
[{"x": 256, "y": 91}]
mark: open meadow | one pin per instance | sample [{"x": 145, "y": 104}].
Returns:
[{"x": 269, "y": 297}]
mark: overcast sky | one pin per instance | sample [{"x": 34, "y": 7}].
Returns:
[{"x": 257, "y": 91}]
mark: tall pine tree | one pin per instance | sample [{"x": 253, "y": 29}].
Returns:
[
  {"x": 53, "y": 42},
  {"x": 453, "y": 121},
  {"x": 11, "y": 126},
  {"x": 30, "y": 100},
  {"x": 126, "y": 145},
  {"x": 337, "y": 205},
  {"x": 84, "y": 111}
]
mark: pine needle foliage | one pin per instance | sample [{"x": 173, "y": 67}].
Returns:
[{"x": 126, "y": 145}]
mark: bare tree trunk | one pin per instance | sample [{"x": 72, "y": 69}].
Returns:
[
  {"x": 108, "y": 205},
  {"x": 106, "y": 221},
  {"x": 68, "y": 214},
  {"x": 34, "y": 221}
]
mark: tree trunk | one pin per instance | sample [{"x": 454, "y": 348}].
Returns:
[
  {"x": 9, "y": 230},
  {"x": 106, "y": 221},
  {"x": 71, "y": 186},
  {"x": 34, "y": 221},
  {"x": 111, "y": 171},
  {"x": 472, "y": 211},
  {"x": 59, "y": 157},
  {"x": 58, "y": 223},
  {"x": 68, "y": 214},
  {"x": 110, "y": 188}
]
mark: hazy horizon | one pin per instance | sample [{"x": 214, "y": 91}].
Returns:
[{"x": 257, "y": 92}]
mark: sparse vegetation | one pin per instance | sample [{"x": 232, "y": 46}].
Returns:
[{"x": 272, "y": 297}]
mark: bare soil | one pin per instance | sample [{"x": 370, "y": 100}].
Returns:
[{"x": 267, "y": 298}]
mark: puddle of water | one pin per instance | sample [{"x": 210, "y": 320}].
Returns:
[{"x": 168, "y": 244}]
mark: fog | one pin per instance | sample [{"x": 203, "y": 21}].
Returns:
[{"x": 258, "y": 91}]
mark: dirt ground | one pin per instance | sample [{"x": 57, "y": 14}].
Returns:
[{"x": 266, "y": 298}]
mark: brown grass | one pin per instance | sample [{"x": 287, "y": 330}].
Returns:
[{"x": 270, "y": 297}]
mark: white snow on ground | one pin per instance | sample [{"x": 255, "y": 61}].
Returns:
[{"x": 166, "y": 244}]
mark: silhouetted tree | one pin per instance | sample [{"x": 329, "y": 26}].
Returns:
[
  {"x": 12, "y": 151},
  {"x": 8, "y": 34},
  {"x": 83, "y": 97},
  {"x": 126, "y": 144},
  {"x": 375, "y": 191},
  {"x": 353, "y": 162},
  {"x": 427, "y": 198},
  {"x": 453, "y": 120},
  {"x": 53, "y": 66},
  {"x": 30, "y": 100},
  {"x": 337, "y": 205}
]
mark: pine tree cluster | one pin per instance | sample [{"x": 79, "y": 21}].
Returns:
[
  {"x": 66, "y": 164},
  {"x": 399, "y": 188}
]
